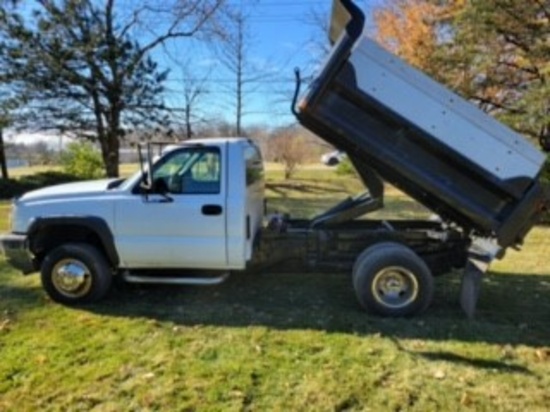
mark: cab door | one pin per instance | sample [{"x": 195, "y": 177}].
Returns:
[{"x": 183, "y": 224}]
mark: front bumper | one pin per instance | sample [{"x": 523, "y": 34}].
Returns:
[{"x": 14, "y": 247}]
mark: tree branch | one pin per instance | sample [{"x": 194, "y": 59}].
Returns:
[{"x": 173, "y": 33}]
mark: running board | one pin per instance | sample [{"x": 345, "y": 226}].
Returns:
[{"x": 175, "y": 280}]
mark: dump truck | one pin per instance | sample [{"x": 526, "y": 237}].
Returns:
[
  {"x": 398, "y": 125},
  {"x": 194, "y": 213}
]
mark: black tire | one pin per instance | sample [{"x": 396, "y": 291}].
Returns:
[
  {"x": 367, "y": 252},
  {"x": 389, "y": 279},
  {"x": 76, "y": 273}
]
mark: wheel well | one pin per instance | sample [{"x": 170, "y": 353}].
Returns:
[{"x": 50, "y": 237}]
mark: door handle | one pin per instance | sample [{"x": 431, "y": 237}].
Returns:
[{"x": 212, "y": 210}]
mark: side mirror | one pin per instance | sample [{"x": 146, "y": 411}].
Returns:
[{"x": 159, "y": 186}]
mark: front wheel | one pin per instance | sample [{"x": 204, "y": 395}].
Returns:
[
  {"x": 391, "y": 280},
  {"x": 75, "y": 273}
]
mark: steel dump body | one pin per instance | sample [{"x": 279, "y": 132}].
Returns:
[{"x": 419, "y": 136}]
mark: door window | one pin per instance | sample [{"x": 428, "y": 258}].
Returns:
[{"x": 190, "y": 171}]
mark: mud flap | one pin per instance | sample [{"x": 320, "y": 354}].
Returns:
[
  {"x": 471, "y": 287},
  {"x": 480, "y": 256}
]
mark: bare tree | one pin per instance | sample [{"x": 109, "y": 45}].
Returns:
[
  {"x": 187, "y": 118},
  {"x": 235, "y": 54},
  {"x": 38, "y": 154},
  {"x": 260, "y": 134},
  {"x": 318, "y": 20},
  {"x": 289, "y": 149},
  {"x": 194, "y": 89}
]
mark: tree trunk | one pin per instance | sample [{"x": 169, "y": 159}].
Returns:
[
  {"x": 189, "y": 130},
  {"x": 3, "y": 163},
  {"x": 110, "y": 154},
  {"x": 288, "y": 171},
  {"x": 110, "y": 143},
  {"x": 239, "y": 107}
]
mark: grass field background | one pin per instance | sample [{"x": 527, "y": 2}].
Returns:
[{"x": 288, "y": 342}]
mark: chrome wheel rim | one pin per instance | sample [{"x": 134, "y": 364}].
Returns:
[
  {"x": 71, "y": 278},
  {"x": 395, "y": 287}
]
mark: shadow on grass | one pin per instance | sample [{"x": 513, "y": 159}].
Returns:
[
  {"x": 513, "y": 309},
  {"x": 478, "y": 363},
  {"x": 474, "y": 362}
]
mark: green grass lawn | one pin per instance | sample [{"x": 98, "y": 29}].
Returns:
[{"x": 278, "y": 341}]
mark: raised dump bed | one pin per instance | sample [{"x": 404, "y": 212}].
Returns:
[{"x": 414, "y": 133}]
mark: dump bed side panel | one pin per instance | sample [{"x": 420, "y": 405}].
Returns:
[
  {"x": 434, "y": 145},
  {"x": 442, "y": 114}
]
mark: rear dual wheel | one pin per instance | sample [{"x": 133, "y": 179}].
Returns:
[{"x": 391, "y": 280}]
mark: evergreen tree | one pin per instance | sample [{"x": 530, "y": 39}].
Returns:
[
  {"x": 82, "y": 72},
  {"x": 499, "y": 57}
]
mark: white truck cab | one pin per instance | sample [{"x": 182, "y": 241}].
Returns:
[{"x": 203, "y": 210}]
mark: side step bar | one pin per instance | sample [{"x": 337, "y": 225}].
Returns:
[{"x": 204, "y": 281}]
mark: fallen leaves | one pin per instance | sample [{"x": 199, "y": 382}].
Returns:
[
  {"x": 465, "y": 399},
  {"x": 542, "y": 354},
  {"x": 5, "y": 325},
  {"x": 440, "y": 374}
]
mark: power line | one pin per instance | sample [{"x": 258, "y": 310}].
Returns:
[
  {"x": 196, "y": 80},
  {"x": 288, "y": 3}
]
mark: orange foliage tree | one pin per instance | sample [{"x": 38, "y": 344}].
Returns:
[
  {"x": 413, "y": 29},
  {"x": 405, "y": 27}
]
